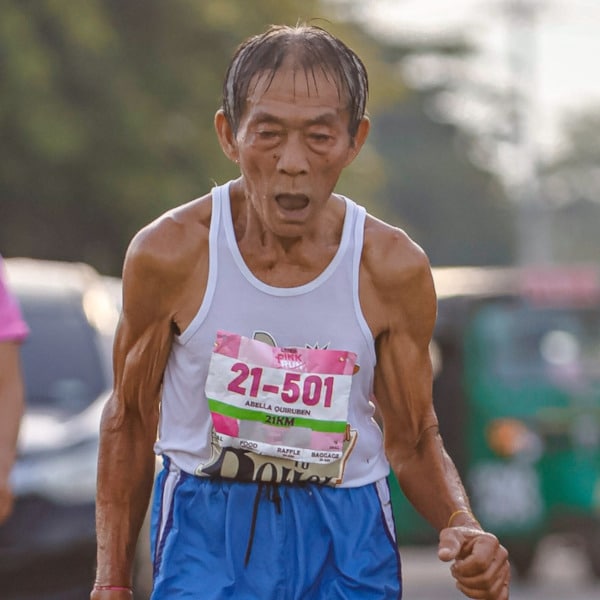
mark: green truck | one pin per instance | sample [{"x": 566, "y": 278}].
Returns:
[{"x": 516, "y": 356}]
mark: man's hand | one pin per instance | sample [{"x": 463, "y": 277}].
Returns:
[
  {"x": 481, "y": 566},
  {"x": 6, "y": 500}
]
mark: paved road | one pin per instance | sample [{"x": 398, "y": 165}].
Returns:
[{"x": 560, "y": 572}]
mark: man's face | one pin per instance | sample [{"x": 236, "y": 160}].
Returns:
[{"x": 292, "y": 144}]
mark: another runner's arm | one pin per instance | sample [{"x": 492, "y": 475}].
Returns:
[
  {"x": 405, "y": 295},
  {"x": 129, "y": 422},
  {"x": 11, "y": 410}
]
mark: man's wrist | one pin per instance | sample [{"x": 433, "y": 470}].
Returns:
[
  {"x": 463, "y": 517},
  {"x": 116, "y": 589},
  {"x": 113, "y": 588}
]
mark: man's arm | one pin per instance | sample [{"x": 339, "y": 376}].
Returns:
[
  {"x": 152, "y": 283},
  {"x": 400, "y": 297},
  {"x": 11, "y": 411}
]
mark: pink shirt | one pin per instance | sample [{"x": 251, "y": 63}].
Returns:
[{"x": 12, "y": 325}]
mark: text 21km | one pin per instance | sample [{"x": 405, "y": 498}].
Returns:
[{"x": 311, "y": 390}]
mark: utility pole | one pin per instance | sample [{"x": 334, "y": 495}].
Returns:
[{"x": 533, "y": 233}]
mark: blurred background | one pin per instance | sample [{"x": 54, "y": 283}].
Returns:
[{"x": 484, "y": 148}]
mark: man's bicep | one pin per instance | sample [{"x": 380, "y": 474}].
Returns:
[
  {"x": 403, "y": 390},
  {"x": 144, "y": 334},
  {"x": 404, "y": 374}
]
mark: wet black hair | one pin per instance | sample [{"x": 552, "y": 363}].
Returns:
[{"x": 311, "y": 47}]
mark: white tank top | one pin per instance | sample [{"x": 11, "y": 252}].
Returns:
[{"x": 324, "y": 313}]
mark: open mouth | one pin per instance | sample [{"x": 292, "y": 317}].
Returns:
[{"x": 292, "y": 201}]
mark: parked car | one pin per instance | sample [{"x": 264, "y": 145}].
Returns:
[{"x": 48, "y": 544}]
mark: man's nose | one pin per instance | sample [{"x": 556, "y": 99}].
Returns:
[{"x": 292, "y": 159}]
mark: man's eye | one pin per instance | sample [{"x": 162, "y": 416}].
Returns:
[
  {"x": 320, "y": 138},
  {"x": 267, "y": 134}
]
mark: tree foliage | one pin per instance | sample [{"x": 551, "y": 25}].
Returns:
[
  {"x": 457, "y": 212},
  {"x": 106, "y": 114},
  {"x": 570, "y": 189},
  {"x": 106, "y": 121}
]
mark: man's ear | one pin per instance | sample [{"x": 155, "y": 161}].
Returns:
[
  {"x": 226, "y": 136},
  {"x": 359, "y": 139}
]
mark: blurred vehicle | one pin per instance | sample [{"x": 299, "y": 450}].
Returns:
[
  {"x": 516, "y": 356},
  {"x": 48, "y": 543}
]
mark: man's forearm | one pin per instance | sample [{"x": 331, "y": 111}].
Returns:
[
  {"x": 11, "y": 405},
  {"x": 125, "y": 475},
  {"x": 10, "y": 417},
  {"x": 430, "y": 481}
]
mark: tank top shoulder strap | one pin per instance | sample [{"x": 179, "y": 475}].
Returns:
[
  {"x": 220, "y": 200},
  {"x": 355, "y": 223},
  {"x": 358, "y": 215},
  {"x": 219, "y": 194}
]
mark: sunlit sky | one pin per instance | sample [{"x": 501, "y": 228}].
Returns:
[{"x": 563, "y": 56}]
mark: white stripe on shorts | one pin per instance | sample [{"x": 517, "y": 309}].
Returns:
[
  {"x": 383, "y": 491},
  {"x": 168, "y": 491}
]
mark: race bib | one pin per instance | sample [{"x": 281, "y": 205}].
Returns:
[{"x": 284, "y": 402}]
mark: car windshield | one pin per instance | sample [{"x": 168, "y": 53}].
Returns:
[
  {"x": 560, "y": 344},
  {"x": 62, "y": 363}
]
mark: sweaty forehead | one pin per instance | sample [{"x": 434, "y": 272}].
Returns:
[{"x": 294, "y": 83}]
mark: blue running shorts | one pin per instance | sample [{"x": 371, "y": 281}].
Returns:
[{"x": 217, "y": 539}]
